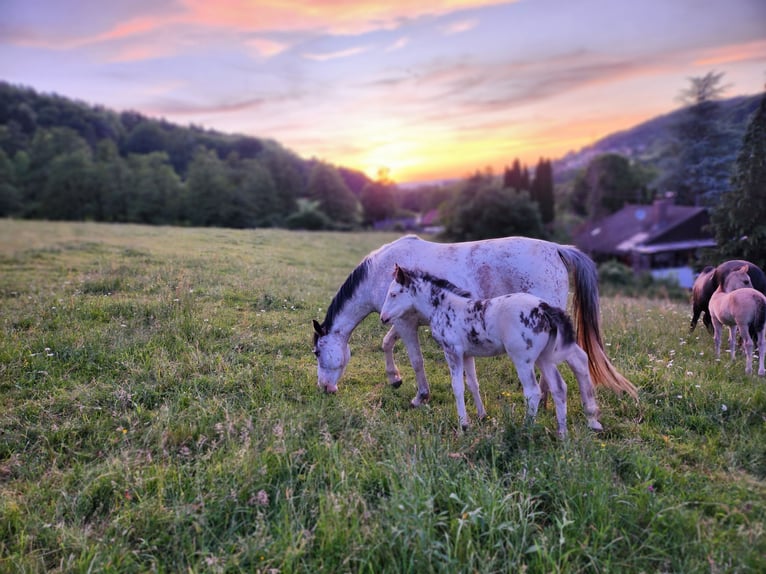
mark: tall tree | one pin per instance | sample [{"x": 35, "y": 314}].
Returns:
[
  {"x": 335, "y": 199},
  {"x": 705, "y": 156},
  {"x": 606, "y": 185},
  {"x": 482, "y": 210},
  {"x": 378, "y": 199},
  {"x": 542, "y": 190},
  {"x": 739, "y": 220}
]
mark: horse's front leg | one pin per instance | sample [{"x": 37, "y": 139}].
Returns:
[
  {"x": 392, "y": 372},
  {"x": 408, "y": 331},
  {"x": 456, "y": 368},
  {"x": 473, "y": 385}
]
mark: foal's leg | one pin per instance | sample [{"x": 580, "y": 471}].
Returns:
[
  {"x": 473, "y": 385},
  {"x": 747, "y": 342},
  {"x": 526, "y": 371},
  {"x": 717, "y": 328},
  {"x": 761, "y": 352},
  {"x": 392, "y": 372},
  {"x": 455, "y": 362},
  {"x": 577, "y": 360},
  {"x": 408, "y": 331},
  {"x": 558, "y": 388},
  {"x": 732, "y": 340}
]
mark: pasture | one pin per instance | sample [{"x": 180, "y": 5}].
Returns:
[{"x": 159, "y": 412}]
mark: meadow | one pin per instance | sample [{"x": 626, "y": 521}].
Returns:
[{"x": 159, "y": 413}]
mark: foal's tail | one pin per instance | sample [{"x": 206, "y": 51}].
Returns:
[{"x": 586, "y": 316}]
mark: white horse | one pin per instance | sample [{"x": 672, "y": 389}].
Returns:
[
  {"x": 486, "y": 269},
  {"x": 741, "y": 308},
  {"x": 526, "y": 328}
]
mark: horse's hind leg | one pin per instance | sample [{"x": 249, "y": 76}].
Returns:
[
  {"x": 472, "y": 382},
  {"x": 761, "y": 352},
  {"x": 747, "y": 342},
  {"x": 578, "y": 362},
  {"x": 392, "y": 372}
]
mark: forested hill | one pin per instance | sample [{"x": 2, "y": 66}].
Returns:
[
  {"x": 652, "y": 141},
  {"x": 48, "y": 141}
]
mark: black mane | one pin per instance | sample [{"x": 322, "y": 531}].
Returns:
[
  {"x": 439, "y": 282},
  {"x": 346, "y": 292}
]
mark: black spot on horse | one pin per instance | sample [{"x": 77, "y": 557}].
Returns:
[{"x": 473, "y": 336}]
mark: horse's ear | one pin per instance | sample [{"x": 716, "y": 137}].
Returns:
[
  {"x": 400, "y": 276},
  {"x": 743, "y": 269},
  {"x": 318, "y": 329}
]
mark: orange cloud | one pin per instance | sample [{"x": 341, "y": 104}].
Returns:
[
  {"x": 342, "y": 16},
  {"x": 734, "y": 53}
]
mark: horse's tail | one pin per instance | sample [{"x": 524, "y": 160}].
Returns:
[{"x": 586, "y": 316}]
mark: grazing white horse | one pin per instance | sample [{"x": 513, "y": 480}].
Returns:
[
  {"x": 526, "y": 328},
  {"x": 485, "y": 268},
  {"x": 741, "y": 308}
]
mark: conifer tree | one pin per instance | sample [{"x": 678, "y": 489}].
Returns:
[{"x": 739, "y": 220}]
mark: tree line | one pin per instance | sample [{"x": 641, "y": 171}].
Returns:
[{"x": 63, "y": 159}]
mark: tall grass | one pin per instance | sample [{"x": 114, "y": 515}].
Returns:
[{"x": 160, "y": 413}]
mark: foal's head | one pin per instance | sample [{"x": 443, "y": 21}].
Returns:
[
  {"x": 737, "y": 280},
  {"x": 399, "y": 298}
]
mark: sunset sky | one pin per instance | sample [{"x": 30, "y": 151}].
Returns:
[{"x": 428, "y": 90}]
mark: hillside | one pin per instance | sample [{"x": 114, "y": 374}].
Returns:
[{"x": 650, "y": 141}]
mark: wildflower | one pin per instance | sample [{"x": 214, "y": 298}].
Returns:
[
  {"x": 260, "y": 499},
  {"x": 724, "y": 408}
]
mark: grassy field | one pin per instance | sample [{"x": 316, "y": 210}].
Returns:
[{"x": 159, "y": 412}]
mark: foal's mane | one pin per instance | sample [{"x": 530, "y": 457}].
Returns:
[
  {"x": 438, "y": 282},
  {"x": 346, "y": 292}
]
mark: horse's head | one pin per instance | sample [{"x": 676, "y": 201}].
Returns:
[
  {"x": 399, "y": 296},
  {"x": 737, "y": 279},
  {"x": 332, "y": 353}
]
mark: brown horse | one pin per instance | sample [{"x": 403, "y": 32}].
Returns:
[
  {"x": 740, "y": 307},
  {"x": 709, "y": 280}
]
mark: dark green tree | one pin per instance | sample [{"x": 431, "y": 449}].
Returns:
[
  {"x": 71, "y": 191},
  {"x": 482, "y": 210},
  {"x": 10, "y": 198},
  {"x": 154, "y": 189},
  {"x": 378, "y": 199},
  {"x": 254, "y": 193},
  {"x": 606, "y": 185},
  {"x": 541, "y": 190},
  {"x": 705, "y": 154},
  {"x": 739, "y": 220},
  {"x": 326, "y": 186},
  {"x": 206, "y": 189}
]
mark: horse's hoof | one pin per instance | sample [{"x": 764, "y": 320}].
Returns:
[
  {"x": 396, "y": 384},
  {"x": 596, "y": 427}
]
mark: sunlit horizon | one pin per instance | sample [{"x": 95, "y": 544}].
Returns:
[{"x": 424, "y": 92}]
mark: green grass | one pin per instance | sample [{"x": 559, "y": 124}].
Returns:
[{"x": 160, "y": 413}]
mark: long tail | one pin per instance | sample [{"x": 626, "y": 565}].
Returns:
[{"x": 586, "y": 314}]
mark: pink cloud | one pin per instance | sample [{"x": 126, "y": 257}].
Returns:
[
  {"x": 343, "y": 16},
  {"x": 733, "y": 53}
]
